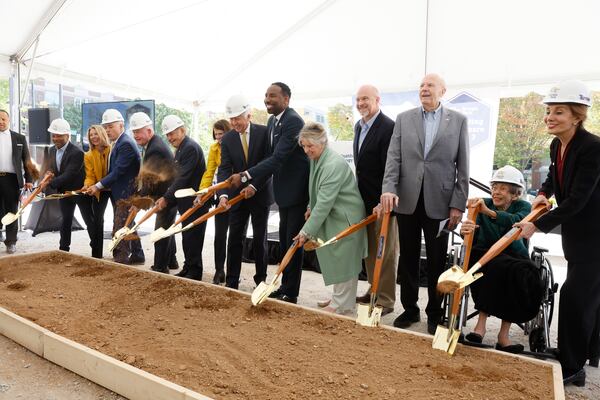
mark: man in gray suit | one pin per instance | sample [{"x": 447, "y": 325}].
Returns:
[{"x": 426, "y": 181}]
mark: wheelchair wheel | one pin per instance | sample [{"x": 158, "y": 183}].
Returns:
[
  {"x": 552, "y": 289},
  {"x": 537, "y": 340}
]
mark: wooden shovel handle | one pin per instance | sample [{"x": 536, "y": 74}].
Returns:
[
  {"x": 37, "y": 190},
  {"x": 473, "y": 211},
  {"x": 359, "y": 225},
  {"x": 148, "y": 214},
  {"x": 218, "y": 210},
  {"x": 380, "y": 252},
  {"x": 511, "y": 235},
  {"x": 221, "y": 185},
  {"x": 131, "y": 216},
  {"x": 287, "y": 257}
]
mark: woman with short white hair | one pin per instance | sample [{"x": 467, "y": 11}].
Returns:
[{"x": 334, "y": 204}]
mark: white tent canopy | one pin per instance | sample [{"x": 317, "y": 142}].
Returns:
[{"x": 206, "y": 50}]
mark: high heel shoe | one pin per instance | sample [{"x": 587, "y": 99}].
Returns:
[{"x": 577, "y": 378}]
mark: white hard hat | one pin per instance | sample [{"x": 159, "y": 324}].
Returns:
[
  {"x": 60, "y": 127},
  {"x": 111, "y": 115},
  {"x": 569, "y": 92},
  {"x": 236, "y": 106},
  {"x": 509, "y": 174},
  {"x": 139, "y": 120},
  {"x": 170, "y": 123}
]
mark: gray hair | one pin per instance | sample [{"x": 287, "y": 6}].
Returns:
[{"x": 313, "y": 132}]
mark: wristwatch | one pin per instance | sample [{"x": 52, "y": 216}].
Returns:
[{"x": 244, "y": 178}]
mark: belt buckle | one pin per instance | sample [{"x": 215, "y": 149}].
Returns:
[{"x": 3, "y": 173}]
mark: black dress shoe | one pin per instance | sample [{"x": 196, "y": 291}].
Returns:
[
  {"x": 594, "y": 361},
  {"x": 406, "y": 319},
  {"x": 164, "y": 270},
  {"x": 193, "y": 275},
  {"x": 365, "y": 298},
  {"x": 275, "y": 294},
  {"x": 136, "y": 260},
  {"x": 174, "y": 266},
  {"x": 183, "y": 272},
  {"x": 511, "y": 348},
  {"x": 288, "y": 299},
  {"x": 576, "y": 378},
  {"x": 219, "y": 278},
  {"x": 474, "y": 337},
  {"x": 431, "y": 327}
]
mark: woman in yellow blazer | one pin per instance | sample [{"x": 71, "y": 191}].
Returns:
[
  {"x": 220, "y": 127},
  {"x": 96, "y": 168}
]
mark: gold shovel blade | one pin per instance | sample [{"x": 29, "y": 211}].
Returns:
[
  {"x": 9, "y": 218},
  {"x": 157, "y": 234},
  {"x": 186, "y": 193},
  {"x": 313, "y": 244},
  {"x": 445, "y": 340},
  {"x": 363, "y": 318},
  {"x": 262, "y": 291}
]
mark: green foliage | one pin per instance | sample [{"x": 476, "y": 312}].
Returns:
[
  {"x": 340, "y": 121},
  {"x": 72, "y": 113},
  {"x": 259, "y": 116},
  {"x": 4, "y": 94},
  {"x": 593, "y": 121},
  {"x": 521, "y": 136},
  {"x": 161, "y": 111}
]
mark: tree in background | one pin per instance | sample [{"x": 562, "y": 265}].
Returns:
[
  {"x": 521, "y": 137},
  {"x": 593, "y": 121},
  {"x": 259, "y": 116},
  {"x": 339, "y": 119},
  {"x": 72, "y": 113}
]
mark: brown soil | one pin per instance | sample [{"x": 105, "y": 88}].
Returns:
[{"x": 213, "y": 341}]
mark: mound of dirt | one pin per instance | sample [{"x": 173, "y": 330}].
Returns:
[{"x": 213, "y": 341}]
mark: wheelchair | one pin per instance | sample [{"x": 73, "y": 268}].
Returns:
[{"x": 537, "y": 329}]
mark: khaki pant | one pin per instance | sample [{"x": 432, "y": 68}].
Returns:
[{"x": 387, "y": 279}]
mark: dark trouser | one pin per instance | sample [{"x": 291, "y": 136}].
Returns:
[
  {"x": 291, "y": 220},
  {"x": 221, "y": 228},
  {"x": 238, "y": 220},
  {"x": 409, "y": 230},
  {"x": 92, "y": 211},
  {"x": 126, "y": 248},
  {"x": 577, "y": 314},
  {"x": 9, "y": 196},
  {"x": 67, "y": 209},
  {"x": 164, "y": 249},
  {"x": 192, "y": 239}
]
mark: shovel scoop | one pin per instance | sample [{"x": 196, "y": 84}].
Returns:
[
  {"x": 446, "y": 337},
  {"x": 9, "y": 218},
  {"x": 370, "y": 314},
  {"x": 263, "y": 290}
]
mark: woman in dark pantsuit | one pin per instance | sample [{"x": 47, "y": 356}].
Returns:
[{"x": 574, "y": 179}]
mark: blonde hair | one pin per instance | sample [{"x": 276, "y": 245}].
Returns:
[
  {"x": 313, "y": 132},
  {"x": 101, "y": 134},
  {"x": 579, "y": 111}
]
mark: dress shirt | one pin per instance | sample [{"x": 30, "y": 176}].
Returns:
[
  {"x": 6, "y": 152},
  {"x": 364, "y": 128},
  {"x": 59, "y": 155},
  {"x": 431, "y": 123}
]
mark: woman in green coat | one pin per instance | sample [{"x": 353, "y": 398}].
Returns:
[{"x": 334, "y": 204}]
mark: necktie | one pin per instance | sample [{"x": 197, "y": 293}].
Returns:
[
  {"x": 272, "y": 133},
  {"x": 245, "y": 146}
]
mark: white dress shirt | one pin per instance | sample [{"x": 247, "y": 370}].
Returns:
[{"x": 6, "y": 152}]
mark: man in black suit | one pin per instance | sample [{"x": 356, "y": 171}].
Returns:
[
  {"x": 241, "y": 148},
  {"x": 14, "y": 156},
  {"x": 288, "y": 164},
  {"x": 372, "y": 134},
  {"x": 190, "y": 166},
  {"x": 157, "y": 160},
  {"x": 66, "y": 166}
]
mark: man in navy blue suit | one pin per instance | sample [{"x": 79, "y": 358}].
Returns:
[
  {"x": 288, "y": 164},
  {"x": 123, "y": 167}
]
